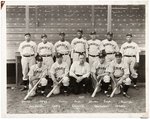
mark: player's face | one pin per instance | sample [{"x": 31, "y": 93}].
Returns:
[
  {"x": 79, "y": 34},
  {"x": 81, "y": 59},
  {"x": 118, "y": 59},
  {"x": 59, "y": 59},
  {"x": 93, "y": 36},
  {"x": 27, "y": 37},
  {"x": 102, "y": 59},
  {"x": 109, "y": 37},
  {"x": 62, "y": 37},
  {"x": 39, "y": 64},
  {"x": 129, "y": 38},
  {"x": 44, "y": 40}
]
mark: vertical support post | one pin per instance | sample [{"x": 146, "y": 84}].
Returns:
[
  {"x": 27, "y": 18},
  {"x": 109, "y": 13},
  {"x": 93, "y": 19}
]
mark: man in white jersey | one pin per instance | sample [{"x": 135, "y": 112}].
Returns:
[
  {"x": 60, "y": 70},
  {"x": 38, "y": 72},
  {"x": 120, "y": 73},
  {"x": 130, "y": 51},
  {"x": 46, "y": 51},
  {"x": 95, "y": 47},
  {"x": 28, "y": 51},
  {"x": 79, "y": 76},
  {"x": 100, "y": 67},
  {"x": 79, "y": 45},
  {"x": 110, "y": 47},
  {"x": 63, "y": 47}
]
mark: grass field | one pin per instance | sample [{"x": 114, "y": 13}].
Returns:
[{"x": 82, "y": 103}]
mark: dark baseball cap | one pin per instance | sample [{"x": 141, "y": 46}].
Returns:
[
  {"x": 110, "y": 33},
  {"x": 80, "y": 30},
  {"x": 129, "y": 34},
  {"x": 93, "y": 33},
  {"x": 27, "y": 34},
  {"x": 43, "y": 35},
  {"x": 102, "y": 55},
  {"x": 58, "y": 55},
  {"x": 118, "y": 54},
  {"x": 61, "y": 33},
  {"x": 39, "y": 58}
]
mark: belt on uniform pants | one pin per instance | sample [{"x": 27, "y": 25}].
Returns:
[
  {"x": 45, "y": 55},
  {"x": 28, "y": 55},
  {"x": 78, "y": 52},
  {"x": 93, "y": 55},
  {"x": 129, "y": 55},
  {"x": 65, "y": 54},
  {"x": 78, "y": 75},
  {"x": 110, "y": 53}
]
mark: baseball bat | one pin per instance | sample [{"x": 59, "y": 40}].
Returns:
[
  {"x": 95, "y": 90},
  {"x": 26, "y": 97},
  {"x": 50, "y": 93}
]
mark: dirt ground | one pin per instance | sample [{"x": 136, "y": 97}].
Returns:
[{"x": 82, "y": 103}]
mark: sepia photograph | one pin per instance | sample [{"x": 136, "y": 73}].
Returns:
[{"x": 78, "y": 58}]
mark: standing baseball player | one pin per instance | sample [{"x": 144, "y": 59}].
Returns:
[
  {"x": 38, "y": 71},
  {"x": 130, "y": 51},
  {"x": 28, "y": 51},
  {"x": 79, "y": 75},
  {"x": 79, "y": 45},
  {"x": 95, "y": 46},
  {"x": 60, "y": 70},
  {"x": 100, "y": 67},
  {"x": 120, "y": 74},
  {"x": 63, "y": 47},
  {"x": 46, "y": 51},
  {"x": 111, "y": 47}
]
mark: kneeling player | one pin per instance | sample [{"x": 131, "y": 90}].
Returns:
[
  {"x": 59, "y": 70},
  {"x": 79, "y": 75},
  {"x": 37, "y": 72},
  {"x": 120, "y": 74},
  {"x": 99, "y": 72}
]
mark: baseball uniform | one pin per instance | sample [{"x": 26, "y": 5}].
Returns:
[
  {"x": 57, "y": 71},
  {"x": 28, "y": 51},
  {"x": 94, "y": 48},
  {"x": 64, "y": 48},
  {"x": 110, "y": 48},
  {"x": 78, "y": 46},
  {"x": 46, "y": 51}
]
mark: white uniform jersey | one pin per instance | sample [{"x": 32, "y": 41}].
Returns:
[
  {"x": 37, "y": 71},
  {"x": 62, "y": 47},
  {"x": 110, "y": 46},
  {"x": 59, "y": 69},
  {"x": 79, "y": 45},
  {"x": 95, "y": 46},
  {"x": 130, "y": 49},
  {"x": 28, "y": 48},
  {"x": 99, "y": 68},
  {"x": 118, "y": 70},
  {"x": 45, "y": 49}
]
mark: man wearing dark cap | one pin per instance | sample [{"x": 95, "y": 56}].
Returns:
[
  {"x": 38, "y": 71},
  {"x": 111, "y": 47},
  {"x": 99, "y": 68},
  {"x": 120, "y": 74},
  {"x": 63, "y": 47},
  {"x": 60, "y": 70},
  {"x": 79, "y": 45},
  {"x": 130, "y": 51},
  {"x": 46, "y": 51},
  {"x": 95, "y": 46},
  {"x": 28, "y": 51}
]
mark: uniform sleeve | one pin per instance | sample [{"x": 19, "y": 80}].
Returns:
[
  {"x": 66, "y": 70},
  {"x": 35, "y": 49},
  {"x": 137, "y": 53},
  {"x": 93, "y": 69},
  {"x": 116, "y": 47},
  {"x": 31, "y": 72},
  {"x": 52, "y": 70},
  {"x": 86, "y": 46},
  {"x": 72, "y": 70},
  {"x": 69, "y": 47},
  {"x": 38, "y": 48},
  {"x": 122, "y": 50},
  {"x": 101, "y": 46},
  {"x": 72, "y": 48},
  {"x": 53, "y": 49},
  {"x": 87, "y": 71}
]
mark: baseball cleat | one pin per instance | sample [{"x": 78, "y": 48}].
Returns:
[
  {"x": 126, "y": 95},
  {"x": 24, "y": 88}
]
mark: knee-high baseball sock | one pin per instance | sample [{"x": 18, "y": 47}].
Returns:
[
  {"x": 134, "y": 80},
  {"x": 125, "y": 88}
]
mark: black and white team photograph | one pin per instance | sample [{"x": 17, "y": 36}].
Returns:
[{"x": 76, "y": 59}]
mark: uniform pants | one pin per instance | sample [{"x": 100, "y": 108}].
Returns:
[
  {"x": 92, "y": 60},
  {"x": 110, "y": 57},
  {"x": 66, "y": 58}
]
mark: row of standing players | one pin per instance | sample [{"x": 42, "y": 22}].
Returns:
[{"x": 91, "y": 49}]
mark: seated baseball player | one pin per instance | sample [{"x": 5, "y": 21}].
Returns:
[
  {"x": 37, "y": 72},
  {"x": 79, "y": 75},
  {"x": 99, "y": 68},
  {"x": 120, "y": 74},
  {"x": 60, "y": 70}
]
